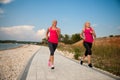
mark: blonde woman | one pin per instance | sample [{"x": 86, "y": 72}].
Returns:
[
  {"x": 54, "y": 33},
  {"x": 88, "y": 35}
]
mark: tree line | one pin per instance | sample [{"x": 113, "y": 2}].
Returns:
[
  {"x": 67, "y": 39},
  {"x": 20, "y": 42}
]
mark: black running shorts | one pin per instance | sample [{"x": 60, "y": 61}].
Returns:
[
  {"x": 52, "y": 47},
  {"x": 88, "y": 47}
]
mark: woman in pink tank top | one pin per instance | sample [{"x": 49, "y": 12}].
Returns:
[
  {"x": 88, "y": 35},
  {"x": 52, "y": 35}
]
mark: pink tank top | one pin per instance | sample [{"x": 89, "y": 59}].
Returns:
[
  {"x": 88, "y": 35},
  {"x": 53, "y": 36}
]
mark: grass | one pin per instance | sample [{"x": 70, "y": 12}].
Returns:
[
  {"x": 64, "y": 47},
  {"x": 106, "y": 57}
]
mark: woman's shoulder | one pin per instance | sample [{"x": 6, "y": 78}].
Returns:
[
  {"x": 58, "y": 28},
  {"x": 49, "y": 27},
  {"x": 83, "y": 29},
  {"x": 91, "y": 28}
]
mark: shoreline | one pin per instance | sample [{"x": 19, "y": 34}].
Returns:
[
  {"x": 13, "y": 47},
  {"x": 13, "y": 61}
]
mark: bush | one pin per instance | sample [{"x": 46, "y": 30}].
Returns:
[
  {"x": 77, "y": 53},
  {"x": 111, "y": 36}
]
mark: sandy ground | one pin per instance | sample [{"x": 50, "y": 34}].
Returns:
[
  {"x": 13, "y": 61},
  {"x": 66, "y": 54}
]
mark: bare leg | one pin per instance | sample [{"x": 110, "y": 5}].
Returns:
[
  {"x": 49, "y": 61},
  {"x": 81, "y": 62},
  {"x": 89, "y": 59},
  {"x": 83, "y": 58},
  {"x": 52, "y": 60}
]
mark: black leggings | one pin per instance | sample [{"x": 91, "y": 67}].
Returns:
[
  {"x": 52, "y": 47},
  {"x": 88, "y": 47}
]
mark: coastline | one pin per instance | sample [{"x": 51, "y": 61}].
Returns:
[
  {"x": 12, "y": 48},
  {"x": 19, "y": 45},
  {"x": 13, "y": 61}
]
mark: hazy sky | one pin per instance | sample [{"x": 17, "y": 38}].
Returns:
[{"x": 29, "y": 19}]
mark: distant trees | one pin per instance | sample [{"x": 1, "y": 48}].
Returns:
[
  {"x": 75, "y": 37},
  {"x": 67, "y": 39},
  {"x": 114, "y": 35},
  {"x": 20, "y": 42},
  {"x": 44, "y": 41},
  {"x": 8, "y": 41},
  {"x": 111, "y": 36}
]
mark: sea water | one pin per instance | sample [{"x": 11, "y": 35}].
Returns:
[{"x": 4, "y": 46}]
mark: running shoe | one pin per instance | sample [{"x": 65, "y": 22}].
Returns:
[
  {"x": 90, "y": 65},
  {"x": 49, "y": 63},
  {"x": 81, "y": 62},
  {"x": 52, "y": 67}
]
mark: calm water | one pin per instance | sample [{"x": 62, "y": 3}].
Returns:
[{"x": 4, "y": 46}]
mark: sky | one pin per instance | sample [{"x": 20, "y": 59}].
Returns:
[{"x": 28, "y": 20}]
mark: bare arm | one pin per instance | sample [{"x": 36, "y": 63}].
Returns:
[
  {"x": 81, "y": 34},
  {"x": 47, "y": 33},
  {"x": 93, "y": 33},
  {"x": 58, "y": 32}
]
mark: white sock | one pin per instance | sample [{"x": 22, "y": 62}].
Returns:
[
  {"x": 52, "y": 65},
  {"x": 81, "y": 59}
]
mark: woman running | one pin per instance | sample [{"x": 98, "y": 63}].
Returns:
[
  {"x": 52, "y": 36},
  {"x": 88, "y": 35}
]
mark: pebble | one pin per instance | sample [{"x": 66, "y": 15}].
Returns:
[{"x": 13, "y": 61}]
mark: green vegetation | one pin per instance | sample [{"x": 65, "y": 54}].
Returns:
[
  {"x": 67, "y": 39},
  {"x": 63, "y": 47},
  {"x": 106, "y": 53},
  {"x": 107, "y": 57},
  {"x": 77, "y": 53},
  {"x": 106, "y": 50}
]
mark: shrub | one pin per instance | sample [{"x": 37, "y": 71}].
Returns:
[{"x": 77, "y": 53}]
